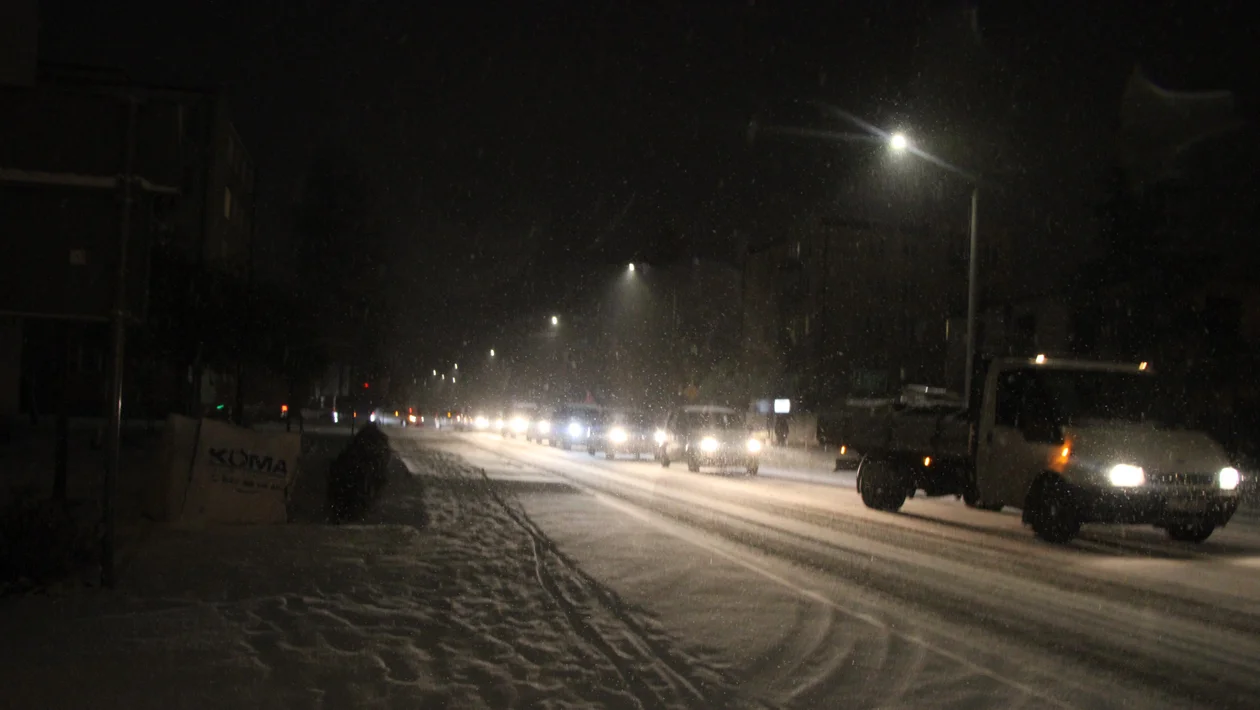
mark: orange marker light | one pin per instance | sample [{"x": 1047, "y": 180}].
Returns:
[
  {"x": 844, "y": 450},
  {"x": 927, "y": 460}
]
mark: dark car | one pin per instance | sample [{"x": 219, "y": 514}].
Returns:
[
  {"x": 621, "y": 431},
  {"x": 709, "y": 436}
]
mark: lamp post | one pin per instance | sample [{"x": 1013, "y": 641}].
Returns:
[{"x": 898, "y": 143}]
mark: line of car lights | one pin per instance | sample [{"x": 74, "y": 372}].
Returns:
[{"x": 617, "y": 435}]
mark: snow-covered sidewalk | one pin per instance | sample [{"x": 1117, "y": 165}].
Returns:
[{"x": 477, "y": 610}]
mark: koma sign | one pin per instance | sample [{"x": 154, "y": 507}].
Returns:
[{"x": 248, "y": 461}]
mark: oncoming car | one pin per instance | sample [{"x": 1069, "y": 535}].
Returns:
[
  {"x": 621, "y": 431},
  {"x": 571, "y": 424},
  {"x": 709, "y": 436}
]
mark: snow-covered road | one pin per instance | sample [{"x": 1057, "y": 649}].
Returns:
[{"x": 814, "y": 601}]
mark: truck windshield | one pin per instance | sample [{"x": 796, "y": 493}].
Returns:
[{"x": 1080, "y": 396}]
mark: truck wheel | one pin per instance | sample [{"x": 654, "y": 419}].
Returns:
[
  {"x": 1052, "y": 513},
  {"x": 1190, "y": 532},
  {"x": 880, "y": 486}
]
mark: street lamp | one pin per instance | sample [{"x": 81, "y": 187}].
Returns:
[
  {"x": 898, "y": 143},
  {"x": 632, "y": 267},
  {"x": 491, "y": 352},
  {"x": 435, "y": 373},
  {"x": 555, "y": 320},
  {"x": 457, "y": 366}
]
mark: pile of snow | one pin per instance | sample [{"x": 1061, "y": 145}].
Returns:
[{"x": 474, "y": 610}]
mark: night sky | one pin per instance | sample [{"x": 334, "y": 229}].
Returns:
[{"x": 507, "y": 140}]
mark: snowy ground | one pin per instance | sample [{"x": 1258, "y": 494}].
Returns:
[
  {"x": 478, "y": 610},
  {"x": 811, "y": 600}
]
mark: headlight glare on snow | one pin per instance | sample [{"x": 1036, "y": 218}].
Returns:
[
  {"x": 617, "y": 435},
  {"x": 1229, "y": 478},
  {"x": 708, "y": 444},
  {"x": 1124, "y": 475}
]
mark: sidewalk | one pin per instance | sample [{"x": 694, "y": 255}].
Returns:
[{"x": 471, "y": 612}]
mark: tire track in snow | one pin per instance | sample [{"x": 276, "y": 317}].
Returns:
[{"x": 671, "y": 668}]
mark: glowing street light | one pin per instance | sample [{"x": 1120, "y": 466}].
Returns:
[
  {"x": 898, "y": 142},
  {"x": 491, "y": 352},
  {"x": 632, "y": 267},
  {"x": 555, "y": 320},
  {"x": 457, "y": 366},
  {"x": 435, "y": 373}
]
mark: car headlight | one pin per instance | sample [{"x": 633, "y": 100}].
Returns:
[
  {"x": 519, "y": 425},
  {"x": 481, "y": 422},
  {"x": 372, "y": 417},
  {"x": 544, "y": 426},
  {"x": 617, "y": 435},
  {"x": 659, "y": 437},
  {"x": 754, "y": 446},
  {"x": 575, "y": 429},
  {"x": 708, "y": 444},
  {"x": 498, "y": 423},
  {"x": 411, "y": 418},
  {"x": 1124, "y": 475},
  {"x": 1228, "y": 478}
]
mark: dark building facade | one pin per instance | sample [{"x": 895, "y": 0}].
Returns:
[
  {"x": 852, "y": 308},
  {"x": 61, "y": 216}
]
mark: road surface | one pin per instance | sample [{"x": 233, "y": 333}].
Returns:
[{"x": 810, "y": 598}]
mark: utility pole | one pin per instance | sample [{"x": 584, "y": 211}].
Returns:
[
  {"x": 118, "y": 339},
  {"x": 973, "y": 269}
]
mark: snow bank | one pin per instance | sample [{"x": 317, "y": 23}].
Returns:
[{"x": 477, "y": 610}]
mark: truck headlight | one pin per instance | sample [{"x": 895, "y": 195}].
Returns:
[
  {"x": 1228, "y": 478},
  {"x": 519, "y": 425},
  {"x": 1124, "y": 475},
  {"x": 659, "y": 437},
  {"x": 575, "y": 429},
  {"x": 617, "y": 435},
  {"x": 544, "y": 426},
  {"x": 754, "y": 446},
  {"x": 708, "y": 444}
]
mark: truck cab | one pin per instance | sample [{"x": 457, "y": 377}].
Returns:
[{"x": 1068, "y": 442}]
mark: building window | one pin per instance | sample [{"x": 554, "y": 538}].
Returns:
[{"x": 227, "y": 203}]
